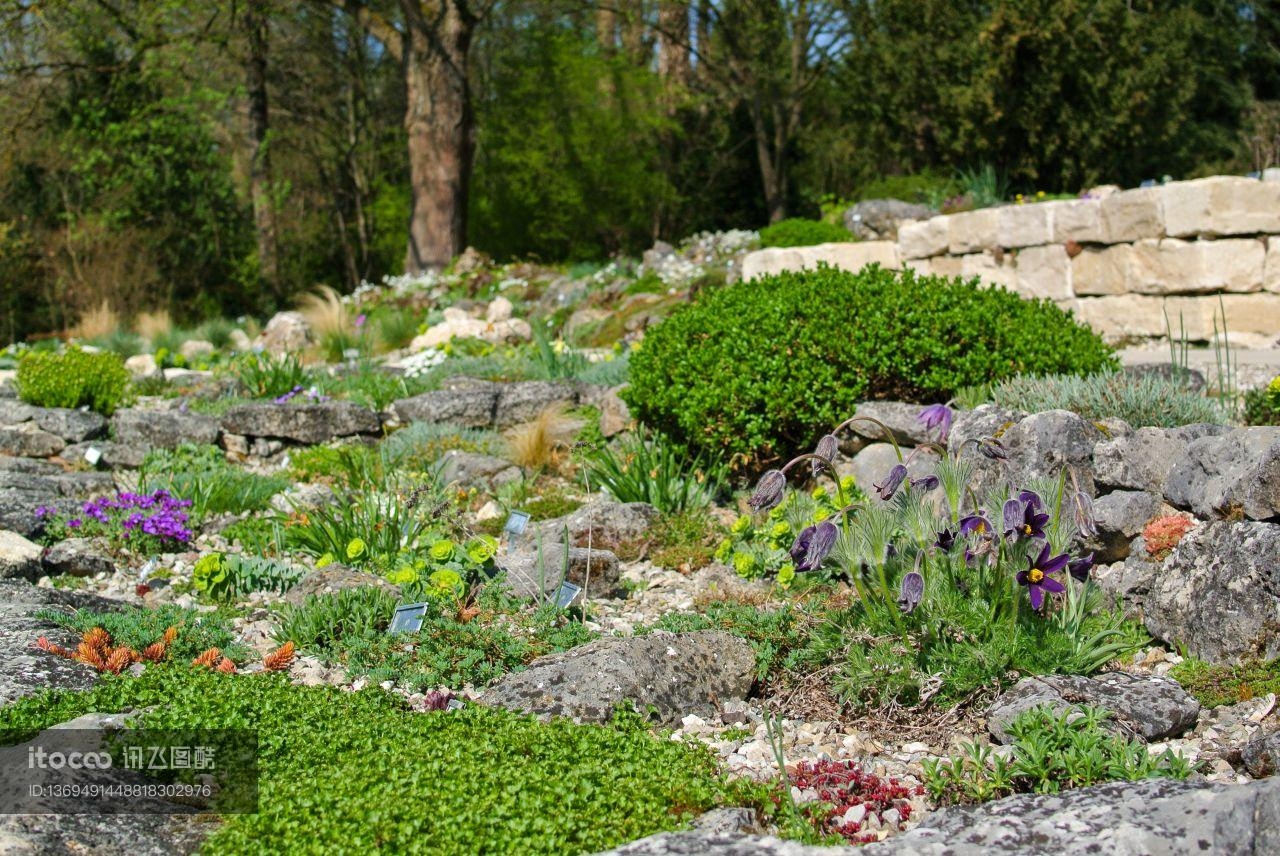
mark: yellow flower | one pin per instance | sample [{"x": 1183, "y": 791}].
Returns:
[
  {"x": 743, "y": 564},
  {"x": 780, "y": 529},
  {"x": 442, "y": 551},
  {"x": 786, "y": 575},
  {"x": 356, "y": 548},
  {"x": 742, "y": 525},
  {"x": 821, "y": 514}
]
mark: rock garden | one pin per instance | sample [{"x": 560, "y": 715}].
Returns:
[{"x": 650, "y": 560}]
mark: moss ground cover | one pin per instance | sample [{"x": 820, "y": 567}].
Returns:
[{"x": 345, "y": 772}]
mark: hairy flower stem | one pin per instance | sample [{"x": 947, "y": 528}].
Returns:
[{"x": 888, "y": 435}]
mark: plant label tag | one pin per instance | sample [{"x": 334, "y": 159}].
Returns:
[
  {"x": 93, "y": 455},
  {"x": 567, "y": 594},
  {"x": 454, "y": 704},
  {"x": 408, "y": 618},
  {"x": 351, "y": 354},
  {"x": 516, "y": 523}
]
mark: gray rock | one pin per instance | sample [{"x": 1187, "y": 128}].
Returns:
[
  {"x": 104, "y": 834},
  {"x": 665, "y": 675},
  {"x": 18, "y": 510},
  {"x": 114, "y": 456},
  {"x": 285, "y": 332},
  {"x": 727, "y": 821},
  {"x": 29, "y": 441},
  {"x": 334, "y": 578},
  {"x": 1219, "y": 592},
  {"x": 534, "y": 572},
  {"x": 602, "y": 523},
  {"x": 85, "y": 483},
  {"x": 162, "y": 429},
  {"x": 302, "y": 497},
  {"x": 311, "y": 424},
  {"x": 1150, "y": 708},
  {"x": 1228, "y": 474},
  {"x": 615, "y": 415},
  {"x": 1041, "y": 445},
  {"x": 13, "y": 412},
  {"x": 902, "y": 420},
  {"x": 1119, "y": 517},
  {"x": 1140, "y": 461},
  {"x": 878, "y": 219},
  {"x": 986, "y": 420},
  {"x": 10, "y": 466},
  {"x": 471, "y": 468},
  {"x": 79, "y": 557},
  {"x": 1130, "y": 581},
  {"x": 469, "y": 407},
  {"x": 18, "y": 557},
  {"x": 1261, "y": 755},
  {"x": 24, "y": 670},
  {"x": 523, "y": 401},
  {"x": 73, "y": 426},
  {"x": 1153, "y": 817}
]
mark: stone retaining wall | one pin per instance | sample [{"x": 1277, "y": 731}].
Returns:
[{"x": 1121, "y": 262}]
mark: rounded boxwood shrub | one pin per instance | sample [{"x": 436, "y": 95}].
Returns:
[
  {"x": 761, "y": 369},
  {"x": 802, "y": 233},
  {"x": 76, "y": 378}
]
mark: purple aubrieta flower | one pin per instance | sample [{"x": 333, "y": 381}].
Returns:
[
  {"x": 360, "y": 319},
  {"x": 73, "y": 523},
  {"x": 43, "y": 511},
  {"x": 886, "y": 489},
  {"x": 1038, "y": 576},
  {"x": 937, "y": 416}
]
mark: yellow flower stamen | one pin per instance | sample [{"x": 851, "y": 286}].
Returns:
[{"x": 1035, "y": 575}]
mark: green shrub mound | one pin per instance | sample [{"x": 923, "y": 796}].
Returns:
[
  {"x": 358, "y": 772},
  {"x": 797, "y": 232},
  {"x": 763, "y": 368},
  {"x": 76, "y": 378}
]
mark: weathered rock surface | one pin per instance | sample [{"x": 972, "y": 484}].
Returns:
[
  {"x": 1143, "y": 460},
  {"x": 112, "y": 456},
  {"x": 603, "y": 524},
  {"x": 25, "y": 670},
  {"x": 1261, "y": 755},
  {"x": 1153, "y": 817},
  {"x": 104, "y": 835},
  {"x": 73, "y": 426},
  {"x": 302, "y": 423},
  {"x": 29, "y": 440},
  {"x": 534, "y": 575},
  {"x": 1119, "y": 517},
  {"x": 523, "y": 401},
  {"x": 470, "y": 468},
  {"x": 14, "y": 412},
  {"x": 902, "y": 420},
  {"x": 1038, "y": 446},
  {"x": 666, "y": 675},
  {"x": 285, "y": 332},
  {"x": 334, "y": 578},
  {"x": 469, "y": 406},
  {"x": 1219, "y": 592},
  {"x": 162, "y": 429},
  {"x": 1151, "y": 708},
  {"x": 18, "y": 557},
  {"x": 79, "y": 557},
  {"x": 1236, "y": 472},
  {"x": 878, "y": 219}
]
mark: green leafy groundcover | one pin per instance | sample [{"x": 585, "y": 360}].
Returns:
[{"x": 357, "y": 772}]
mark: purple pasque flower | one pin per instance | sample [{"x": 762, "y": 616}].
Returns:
[
  {"x": 937, "y": 416},
  {"x": 769, "y": 490},
  {"x": 946, "y": 540},
  {"x": 826, "y": 450},
  {"x": 360, "y": 319},
  {"x": 801, "y": 546},
  {"x": 910, "y": 592},
  {"x": 977, "y": 524},
  {"x": 1038, "y": 576},
  {"x": 887, "y": 488},
  {"x": 1082, "y": 510},
  {"x": 924, "y": 484},
  {"x": 819, "y": 546},
  {"x": 1079, "y": 568},
  {"x": 1023, "y": 520},
  {"x": 993, "y": 449}
]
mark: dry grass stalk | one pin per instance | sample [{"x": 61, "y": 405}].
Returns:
[
  {"x": 151, "y": 325},
  {"x": 95, "y": 323},
  {"x": 542, "y": 441},
  {"x": 325, "y": 312}
]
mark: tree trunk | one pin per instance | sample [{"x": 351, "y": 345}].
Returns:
[
  {"x": 264, "y": 213},
  {"x": 673, "y": 43},
  {"x": 772, "y": 160},
  {"x": 439, "y": 122}
]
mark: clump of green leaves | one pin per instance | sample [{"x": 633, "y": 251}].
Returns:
[
  {"x": 1262, "y": 405},
  {"x": 793, "y": 354},
  {"x": 1140, "y": 400},
  {"x": 364, "y": 765},
  {"x": 74, "y": 378},
  {"x": 214, "y": 485},
  {"x": 221, "y": 577},
  {"x": 797, "y": 232},
  {"x": 642, "y": 466},
  {"x": 1052, "y": 751},
  {"x": 1214, "y": 686},
  {"x": 265, "y": 375},
  {"x": 136, "y": 627}
]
